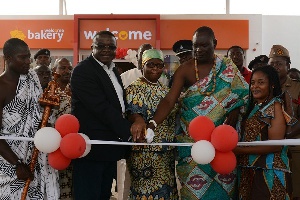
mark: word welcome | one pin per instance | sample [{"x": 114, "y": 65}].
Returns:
[{"x": 123, "y": 35}]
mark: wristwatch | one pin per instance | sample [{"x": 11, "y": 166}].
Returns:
[{"x": 153, "y": 122}]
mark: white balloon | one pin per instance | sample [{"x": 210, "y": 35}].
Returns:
[
  {"x": 47, "y": 139},
  {"x": 129, "y": 51},
  {"x": 133, "y": 54},
  {"x": 88, "y": 146},
  {"x": 203, "y": 152},
  {"x": 127, "y": 57},
  {"x": 135, "y": 62}
]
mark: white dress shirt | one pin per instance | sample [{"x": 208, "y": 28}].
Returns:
[
  {"x": 129, "y": 76},
  {"x": 114, "y": 80}
]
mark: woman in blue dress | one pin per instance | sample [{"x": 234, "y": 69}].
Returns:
[{"x": 264, "y": 171}]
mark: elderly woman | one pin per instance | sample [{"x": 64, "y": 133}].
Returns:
[{"x": 152, "y": 168}]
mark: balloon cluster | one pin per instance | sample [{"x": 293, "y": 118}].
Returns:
[
  {"x": 132, "y": 57},
  {"x": 213, "y": 145},
  {"x": 121, "y": 53},
  {"x": 62, "y": 143}
]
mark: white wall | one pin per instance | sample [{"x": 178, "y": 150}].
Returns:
[{"x": 283, "y": 30}]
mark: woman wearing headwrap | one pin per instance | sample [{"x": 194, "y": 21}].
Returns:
[{"x": 152, "y": 168}]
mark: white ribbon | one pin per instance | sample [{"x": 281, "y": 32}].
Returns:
[
  {"x": 149, "y": 135},
  {"x": 255, "y": 143}
]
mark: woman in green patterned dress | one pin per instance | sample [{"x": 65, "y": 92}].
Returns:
[{"x": 152, "y": 168}]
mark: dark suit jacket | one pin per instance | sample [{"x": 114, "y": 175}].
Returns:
[{"x": 96, "y": 105}]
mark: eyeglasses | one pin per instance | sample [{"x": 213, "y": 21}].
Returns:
[
  {"x": 102, "y": 47},
  {"x": 151, "y": 65}
]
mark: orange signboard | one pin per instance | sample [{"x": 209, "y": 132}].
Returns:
[
  {"x": 130, "y": 33},
  {"x": 227, "y": 32},
  {"x": 51, "y": 34},
  {"x": 130, "y": 30}
]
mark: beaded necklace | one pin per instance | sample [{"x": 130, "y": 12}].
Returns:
[
  {"x": 150, "y": 81},
  {"x": 214, "y": 78},
  {"x": 265, "y": 102},
  {"x": 65, "y": 92}
]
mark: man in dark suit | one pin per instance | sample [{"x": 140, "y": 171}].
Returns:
[{"x": 98, "y": 101}]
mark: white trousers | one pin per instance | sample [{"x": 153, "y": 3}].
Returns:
[{"x": 123, "y": 180}]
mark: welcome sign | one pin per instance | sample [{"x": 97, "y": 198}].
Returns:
[{"x": 129, "y": 33}]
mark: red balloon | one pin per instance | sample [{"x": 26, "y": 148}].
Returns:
[
  {"x": 58, "y": 161},
  {"x": 66, "y": 124},
  {"x": 224, "y": 138},
  {"x": 72, "y": 145},
  {"x": 200, "y": 128},
  {"x": 224, "y": 162},
  {"x": 124, "y": 52}
]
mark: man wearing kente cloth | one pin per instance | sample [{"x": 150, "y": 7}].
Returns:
[
  {"x": 215, "y": 88},
  {"x": 20, "y": 116}
]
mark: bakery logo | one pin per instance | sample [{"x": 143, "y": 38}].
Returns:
[
  {"x": 46, "y": 34},
  {"x": 17, "y": 34}
]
